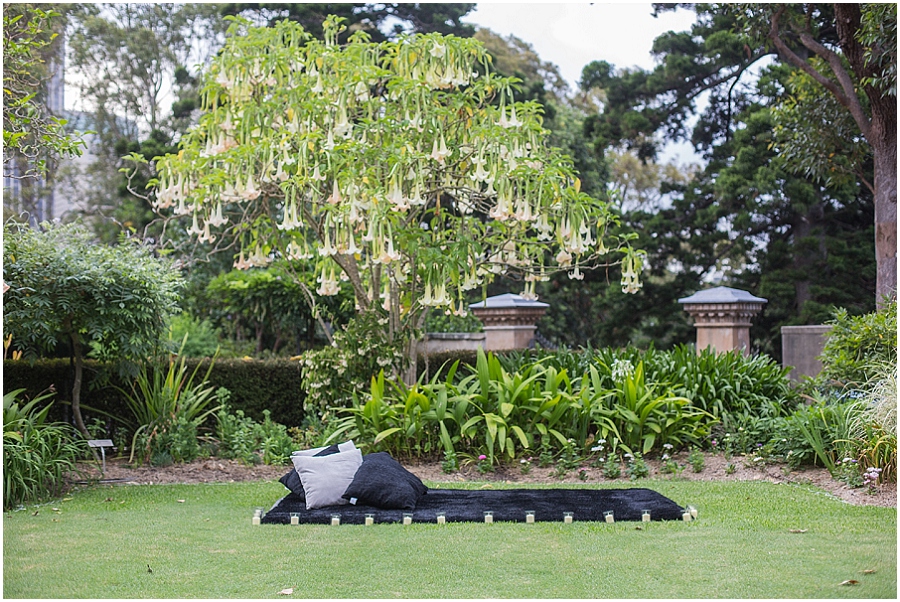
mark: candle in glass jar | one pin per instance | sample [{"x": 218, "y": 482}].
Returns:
[
  {"x": 407, "y": 519},
  {"x": 370, "y": 519},
  {"x": 489, "y": 517},
  {"x": 693, "y": 511},
  {"x": 295, "y": 518},
  {"x": 257, "y": 516},
  {"x": 335, "y": 520},
  {"x": 529, "y": 516},
  {"x": 608, "y": 516},
  {"x": 686, "y": 516},
  {"x": 441, "y": 518},
  {"x": 567, "y": 517},
  {"x": 645, "y": 516}
]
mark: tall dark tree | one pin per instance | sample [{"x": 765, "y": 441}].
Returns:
[
  {"x": 842, "y": 48},
  {"x": 753, "y": 217},
  {"x": 411, "y": 17}
]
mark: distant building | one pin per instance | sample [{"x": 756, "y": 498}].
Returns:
[{"x": 63, "y": 191}]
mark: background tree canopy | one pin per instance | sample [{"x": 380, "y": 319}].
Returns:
[{"x": 785, "y": 203}]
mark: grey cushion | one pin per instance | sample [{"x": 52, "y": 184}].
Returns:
[
  {"x": 291, "y": 479},
  {"x": 326, "y": 478}
]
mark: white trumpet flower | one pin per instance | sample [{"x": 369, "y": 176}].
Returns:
[
  {"x": 241, "y": 263},
  {"x": 439, "y": 153},
  {"x": 217, "y": 218},
  {"x": 250, "y": 192},
  {"x": 194, "y": 230}
]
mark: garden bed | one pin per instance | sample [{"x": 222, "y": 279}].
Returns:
[{"x": 715, "y": 469}]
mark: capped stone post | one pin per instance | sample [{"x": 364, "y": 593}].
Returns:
[
  {"x": 509, "y": 321},
  {"x": 722, "y": 316}
]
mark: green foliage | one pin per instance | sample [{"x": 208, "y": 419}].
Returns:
[
  {"x": 255, "y": 385},
  {"x": 696, "y": 460},
  {"x": 405, "y": 134},
  {"x": 200, "y": 338},
  {"x": 858, "y": 346},
  {"x": 30, "y": 132},
  {"x": 730, "y": 386},
  {"x": 269, "y": 306},
  {"x": 635, "y": 467},
  {"x": 612, "y": 467},
  {"x": 167, "y": 407},
  {"x": 445, "y": 18},
  {"x": 65, "y": 286},
  {"x": 333, "y": 374},
  {"x": 37, "y": 454},
  {"x": 251, "y": 442},
  {"x": 67, "y": 290},
  {"x": 500, "y": 414}
]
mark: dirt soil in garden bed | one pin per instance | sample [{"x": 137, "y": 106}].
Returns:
[{"x": 715, "y": 469}]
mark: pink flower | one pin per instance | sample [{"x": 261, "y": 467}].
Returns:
[{"x": 482, "y": 457}]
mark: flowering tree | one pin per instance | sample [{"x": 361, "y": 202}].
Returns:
[{"x": 403, "y": 168}]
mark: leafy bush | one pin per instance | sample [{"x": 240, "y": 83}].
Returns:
[
  {"x": 332, "y": 375},
  {"x": 492, "y": 412},
  {"x": 251, "y": 442},
  {"x": 36, "y": 454},
  {"x": 730, "y": 386},
  {"x": 168, "y": 407},
  {"x": 255, "y": 385},
  {"x": 858, "y": 345},
  {"x": 200, "y": 338}
]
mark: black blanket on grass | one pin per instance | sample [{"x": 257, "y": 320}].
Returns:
[{"x": 461, "y": 505}]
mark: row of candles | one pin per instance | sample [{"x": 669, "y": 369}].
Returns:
[{"x": 689, "y": 514}]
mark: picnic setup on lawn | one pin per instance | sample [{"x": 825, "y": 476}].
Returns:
[
  {"x": 331, "y": 485},
  {"x": 368, "y": 301}
]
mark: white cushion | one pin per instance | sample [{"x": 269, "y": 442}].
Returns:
[{"x": 326, "y": 478}]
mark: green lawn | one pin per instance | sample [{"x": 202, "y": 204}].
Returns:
[{"x": 100, "y": 541}]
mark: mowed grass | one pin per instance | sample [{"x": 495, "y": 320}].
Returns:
[{"x": 99, "y": 543}]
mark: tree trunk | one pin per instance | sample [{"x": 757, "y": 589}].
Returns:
[
  {"x": 886, "y": 211},
  {"x": 76, "y": 386},
  {"x": 882, "y": 136},
  {"x": 260, "y": 329}
]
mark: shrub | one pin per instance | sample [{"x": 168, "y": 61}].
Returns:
[
  {"x": 36, "y": 454},
  {"x": 730, "y": 386},
  {"x": 168, "y": 407},
  {"x": 858, "y": 345},
  {"x": 255, "y": 385},
  {"x": 251, "y": 442},
  {"x": 202, "y": 338},
  {"x": 502, "y": 413}
]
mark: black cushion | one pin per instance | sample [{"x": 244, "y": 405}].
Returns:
[
  {"x": 381, "y": 482},
  {"x": 292, "y": 480}
]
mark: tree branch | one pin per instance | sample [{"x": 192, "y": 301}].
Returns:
[{"x": 845, "y": 93}]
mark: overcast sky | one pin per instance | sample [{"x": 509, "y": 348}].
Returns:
[{"x": 573, "y": 34}]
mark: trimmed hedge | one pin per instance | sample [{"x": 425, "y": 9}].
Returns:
[{"x": 255, "y": 385}]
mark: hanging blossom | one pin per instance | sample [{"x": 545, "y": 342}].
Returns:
[
  {"x": 328, "y": 283},
  {"x": 296, "y": 251},
  {"x": 217, "y": 219},
  {"x": 241, "y": 263},
  {"x": 631, "y": 269},
  {"x": 439, "y": 153}
]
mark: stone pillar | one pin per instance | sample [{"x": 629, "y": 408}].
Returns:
[
  {"x": 722, "y": 316},
  {"x": 801, "y": 347},
  {"x": 509, "y": 321}
]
